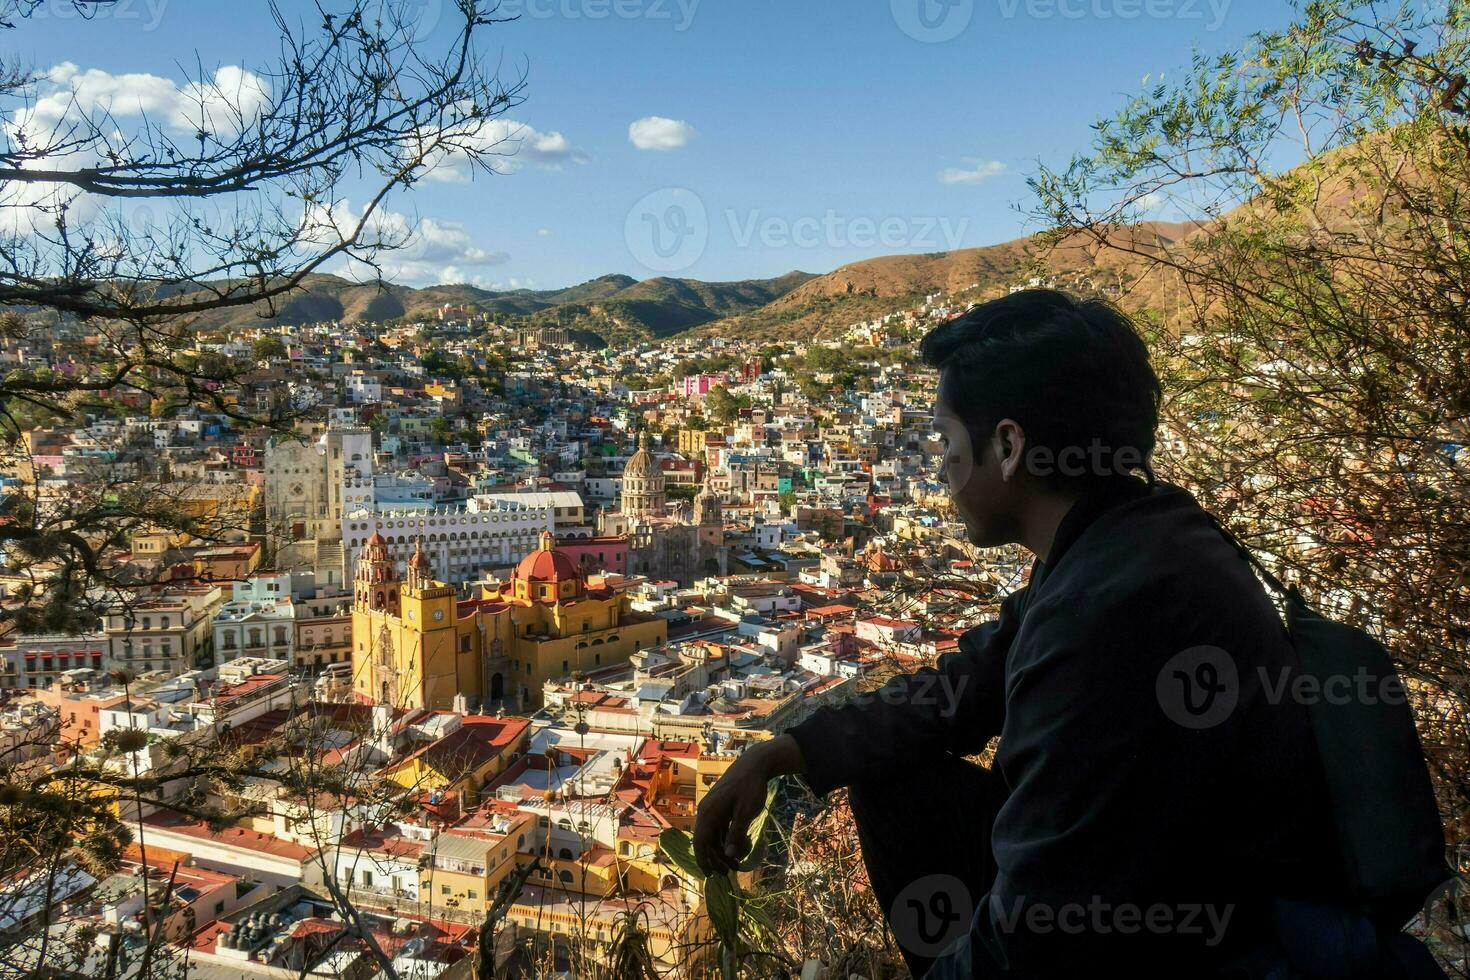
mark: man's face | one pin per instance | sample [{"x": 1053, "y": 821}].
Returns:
[{"x": 972, "y": 470}]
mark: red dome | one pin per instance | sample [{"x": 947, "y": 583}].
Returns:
[{"x": 546, "y": 564}]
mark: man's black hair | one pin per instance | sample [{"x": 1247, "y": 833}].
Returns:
[{"x": 1074, "y": 373}]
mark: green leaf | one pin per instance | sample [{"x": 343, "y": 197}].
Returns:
[
  {"x": 724, "y": 909},
  {"x": 679, "y": 848},
  {"x": 759, "y": 921},
  {"x": 757, "y": 851}
]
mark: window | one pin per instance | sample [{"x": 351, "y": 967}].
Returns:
[
  {"x": 443, "y": 889},
  {"x": 470, "y": 893}
]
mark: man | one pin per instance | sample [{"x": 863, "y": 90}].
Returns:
[{"x": 1151, "y": 791}]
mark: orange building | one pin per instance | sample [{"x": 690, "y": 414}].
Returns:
[{"x": 415, "y": 645}]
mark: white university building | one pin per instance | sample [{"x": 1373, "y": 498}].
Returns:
[{"x": 492, "y": 532}]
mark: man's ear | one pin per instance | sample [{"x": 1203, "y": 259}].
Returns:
[{"x": 1010, "y": 447}]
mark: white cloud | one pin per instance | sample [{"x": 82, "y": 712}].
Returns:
[
  {"x": 69, "y": 93},
  {"x": 430, "y": 250},
  {"x": 514, "y": 144},
  {"x": 234, "y": 96},
  {"x": 544, "y": 232},
  {"x": 978, "y": 171},
  {"x": 1151, "y": 201},
  {"x": 658, "y": 133}
]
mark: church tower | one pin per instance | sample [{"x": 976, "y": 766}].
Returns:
[
  {"x": 411, "y": 648},
  {"x": 709, "y": 516},
  {"x": 420, "y": 572},
  {"x": 643, "y": 483},
  {"x": 375, "y": 586}
]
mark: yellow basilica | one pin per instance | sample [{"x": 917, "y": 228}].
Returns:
[{"x": 416, "y": 645}]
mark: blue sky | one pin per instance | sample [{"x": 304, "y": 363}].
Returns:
[{"x": 784, "y": 134}]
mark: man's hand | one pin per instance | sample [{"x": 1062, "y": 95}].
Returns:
[{"x": 721, "y": 830}]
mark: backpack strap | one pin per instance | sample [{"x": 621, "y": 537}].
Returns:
[{"x": 1290, "y": 593}]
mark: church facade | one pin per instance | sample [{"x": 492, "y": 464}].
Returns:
[
  {"x": 417, "y": 645},
  {"x": 676, "y": 543}
]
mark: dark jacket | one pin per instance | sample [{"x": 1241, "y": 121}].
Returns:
[{"x": 1150, "y": 757}]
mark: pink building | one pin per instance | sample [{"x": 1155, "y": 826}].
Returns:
[
  {"x": 608, "y": 553},
  {"x": 699, "y": 385}
]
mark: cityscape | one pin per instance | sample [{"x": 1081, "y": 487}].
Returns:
[
  {"x": 379, "y": 603},
  {"x": 544, "y": 628}
]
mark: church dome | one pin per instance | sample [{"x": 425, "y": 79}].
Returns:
[
  {"x": 641, "y": 463},
  {"x": 547, "y": 567}
]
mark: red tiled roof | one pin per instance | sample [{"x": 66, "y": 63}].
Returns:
[
  {"x": 230, "y": 836},
  {"x": 479, "y": 740}
]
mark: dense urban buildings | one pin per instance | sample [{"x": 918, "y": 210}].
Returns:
[{"x": 544, "y": 607}]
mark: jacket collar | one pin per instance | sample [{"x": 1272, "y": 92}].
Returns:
[{"x": 1089, "y": 507}]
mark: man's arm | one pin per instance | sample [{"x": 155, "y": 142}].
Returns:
[
  {"x": 956, "y": 706},
  {"x": 1101, "y": 784}
]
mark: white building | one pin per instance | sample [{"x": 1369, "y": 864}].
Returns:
[
  {"x": 259, "y": 621},
  {"x": 388, "y": 491},
  {"x": 364, "y": 388},
  {"x": 567, "y": 510},
  {"x": 462, "y": 545}
]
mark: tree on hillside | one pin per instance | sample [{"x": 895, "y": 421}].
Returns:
[
  {"x": 125, "y": 232},
  {"x": 269, "y": 348},
  {"x": 1312, "y": 332},
  {"x": 722, "y": 406}
]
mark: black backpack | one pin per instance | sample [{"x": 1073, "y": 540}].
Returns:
[{"x": 1388, "y": 825}]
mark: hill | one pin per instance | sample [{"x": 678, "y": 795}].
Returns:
[
  {"x": 614, "y": 306},
  {"x": 827, "y": 305}
]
